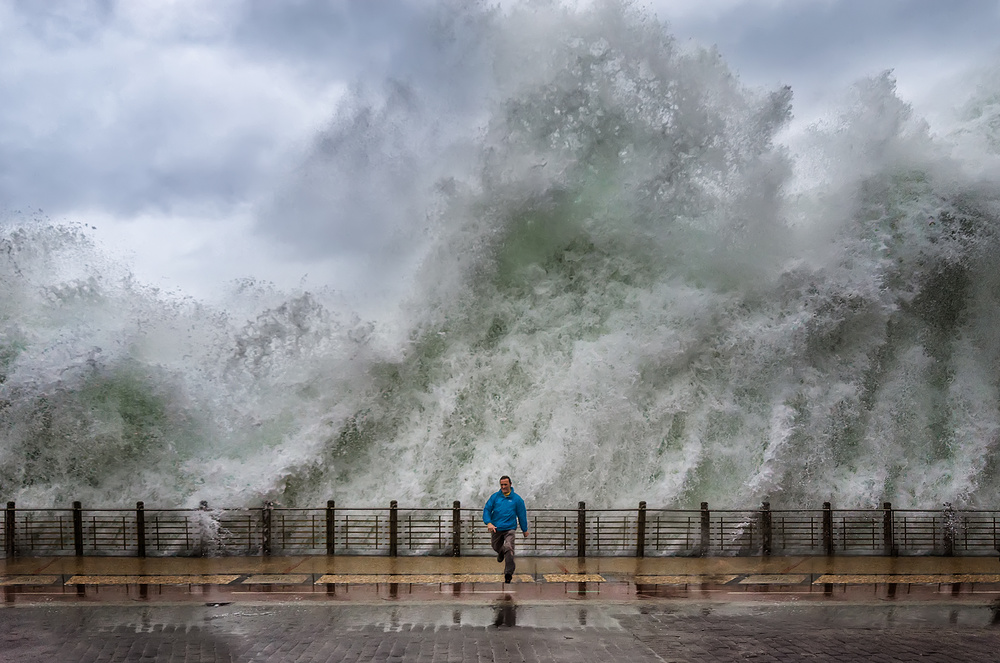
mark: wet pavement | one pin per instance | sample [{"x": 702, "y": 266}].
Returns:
[{"x": 448, "y": 610}]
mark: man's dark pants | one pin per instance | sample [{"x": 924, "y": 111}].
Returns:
[{"x": 503, "y": 541}]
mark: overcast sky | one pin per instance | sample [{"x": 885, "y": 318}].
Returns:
[{"x": 184, "y": 130}]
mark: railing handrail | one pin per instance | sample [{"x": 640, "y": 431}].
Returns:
[{"x": 590, "y": 509}]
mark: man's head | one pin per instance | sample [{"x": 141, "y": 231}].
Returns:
[{"x": 505, "y": 485}]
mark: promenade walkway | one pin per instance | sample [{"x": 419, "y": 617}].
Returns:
[{"x": 455, "y": 610}]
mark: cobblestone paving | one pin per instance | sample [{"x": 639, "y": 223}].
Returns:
[
  {"x": 818, "y": 633},
  {"x": 503, "y": 632}
]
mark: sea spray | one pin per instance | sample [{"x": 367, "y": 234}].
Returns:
[
  {"x": 112, "y": 391},
  {"x": 630, "y": 289}
]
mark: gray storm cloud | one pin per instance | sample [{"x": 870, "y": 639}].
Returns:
[
  {"x": 122, "y": 107},
  {"x": 816, "y": 44},
  {"x": 122, "y": 112}
]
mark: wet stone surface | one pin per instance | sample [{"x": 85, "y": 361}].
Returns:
[{"x": 501, "y": 631}]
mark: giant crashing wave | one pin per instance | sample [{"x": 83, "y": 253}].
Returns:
[{"x": 630, "y": 291}]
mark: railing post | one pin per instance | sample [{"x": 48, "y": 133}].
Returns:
[
  {"x": 265, "y": 528},
  {"x": 581, "y": 530},
  {"x": 331, "y": 521},
  {"x": 765, "y": 528},
  {"x": 888, "y": 540},
  {"x": 706, "y": 530},
  {"x": 10, "y": 531},
  {"x": 640, "y": 534},
  {"x": 78, "y": 528},
  {"x": 393, "y": 528},
  {"x": 140, "y": 528},
  {"x": 827, "y": 528},
  {"x": 456, "y": 529}
]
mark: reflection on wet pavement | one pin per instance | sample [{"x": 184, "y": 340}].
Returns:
[
  {"x": 450, "y": 610},
  {"x": 594, "y": 631},
  {"x": 506, "y": 612}
]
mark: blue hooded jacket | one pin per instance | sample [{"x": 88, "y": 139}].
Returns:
[{"x": 505, "y": 512}]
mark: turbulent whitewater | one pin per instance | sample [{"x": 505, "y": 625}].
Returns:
[{"x": 631, "y": 282}]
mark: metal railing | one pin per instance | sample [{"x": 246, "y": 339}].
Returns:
[{"x": 581, "y": 532}]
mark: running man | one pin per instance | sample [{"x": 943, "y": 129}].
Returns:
[{"x": 502, "y": 514}]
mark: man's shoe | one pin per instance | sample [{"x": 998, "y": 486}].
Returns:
[
  {"x": 507, "y": 578},
  {"x": 500, "y": 556}
]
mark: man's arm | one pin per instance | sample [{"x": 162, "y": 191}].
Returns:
[
  {"x": 522, "y": 516},
  {"x": 488, "y": 513}
]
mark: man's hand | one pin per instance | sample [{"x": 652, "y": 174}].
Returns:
[
  {"x": 526, "y": 535},
  {"x": 491, "y": 527}
]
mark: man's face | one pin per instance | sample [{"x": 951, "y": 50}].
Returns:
[{"x": 505, "y": 486}]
